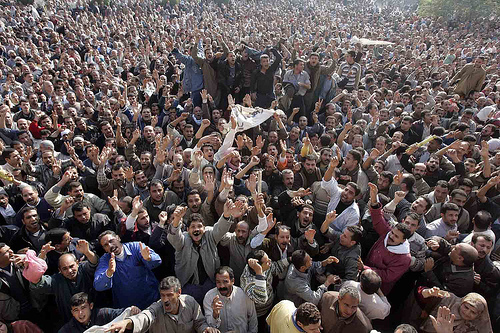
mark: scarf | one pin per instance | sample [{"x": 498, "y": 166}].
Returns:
[{"x": 403, "y": 248}]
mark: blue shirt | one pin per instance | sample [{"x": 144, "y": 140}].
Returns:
[{"x": 133, "y": 282}]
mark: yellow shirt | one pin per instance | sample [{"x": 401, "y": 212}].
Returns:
[{"x": 281, "y": 320}]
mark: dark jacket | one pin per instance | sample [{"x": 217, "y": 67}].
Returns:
[
  {"x": 22, "y": 240},
  {"x": 98, "y": 317}
]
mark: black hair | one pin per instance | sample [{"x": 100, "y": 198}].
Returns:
[
  {"x": 225, "y": 269},
  {"x": 55, "y": 235}
]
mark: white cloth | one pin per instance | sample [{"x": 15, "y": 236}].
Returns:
[
  {"x": 247, "y": 118},
  {"x": 101, "y": 329},
  {"x": 350, "y": 215},
  {"x": 402, "y": 248}
]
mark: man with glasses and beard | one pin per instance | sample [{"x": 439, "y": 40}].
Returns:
[{"x": 227, "y": 307}]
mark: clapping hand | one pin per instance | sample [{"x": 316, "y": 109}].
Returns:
[{"x": 146, "y": 254}]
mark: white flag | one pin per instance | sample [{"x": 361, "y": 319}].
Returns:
[{"x": 247, "y": 118}]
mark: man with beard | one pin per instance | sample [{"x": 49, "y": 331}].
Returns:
[
  {"x": 208, "y": 66},
  {"x": 196, "y": 254},
  {"x": 341, "y": 201},
  {"x": 486, "y": 274},
  {"x": 440, "y": 193},
  {"x": 162, "y": 315},
  {"x": 145, "y": 161},
  {"x": 30, "y": 196},
  {"x": 136, "y": 184},
  {"x": 82, "y": 224},
  {"x": 44, "y": 172},
  {"x": 75, "y": 190},
  {"x": 459, "y": 198},
  {"x": 139, "y": 145},
  {"x": 197, "y": 206},
  {"x": 117, "y": 181},
  {"x": 171, "y": 172},
  {"x": 390, "y": 255},
  {"x": 302, "y": 228},
  {"x": 238, "y": 242},
  {"x": 137, "y": 225},
  {"x": 159, "y": 199},
  {"x": 287, "y": 180},
  {"x": 126, "y": 265},
  {"x": 446, "y": 226},
  {"x": 227, "y": 307},
  {"x": 107, "y": 132},
  {"x": 32, "y": 233},
  {"x": 421, "y": 185},
  {"x": 308, "y": 174}
]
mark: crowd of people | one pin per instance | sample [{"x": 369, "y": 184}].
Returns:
[{"x": 368, "y": 200}]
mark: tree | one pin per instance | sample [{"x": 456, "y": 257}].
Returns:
[{"x": 459, "y": 9}]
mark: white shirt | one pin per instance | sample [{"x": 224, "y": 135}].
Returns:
[
  {"x": 237, "y": 313},
  {"x": 373, "y": 306}
]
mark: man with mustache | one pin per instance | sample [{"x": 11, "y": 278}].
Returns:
[
  {"x": 196, "y": 253},
  {"x": 31, "y": 197},
  {"x": 341, "y": 201},
  {"x": 172, "y": 171},
  {"x": 486, "y": 274},
  {"x": 458, "y": 197},
  {"x": 159, "y": 199},
  {"x": 139, "y": 155},
  {"x": 75, "y": 190},
  {"x": 126, "y": 265},
  {"x": 446, "y": 226},
  {"x": 117, "y": 181},
  {"x": 390, "y": 255},
  {"x": 74, "y": 276},
  {"x": 227, "y": 307},
  {"x": 32, "y": 233},
  {"x": 164, "y": 314}
]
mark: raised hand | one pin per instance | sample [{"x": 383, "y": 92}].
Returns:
[
  {"x": 398, "y": 178},
  {"x": 46, "y": 248},
  {"x": 209, "y": 183},
  {"x": 113, "y": 201},
  {"x": 178, "y": 215},
  {"x": 111, "y": 265},
  {"x": 137, "y": 205},
  {"x": 251, "y": 183},
  {"x": 485, "y": 153},
  {"x": 374, "y": 153},
  {"x": 146, "y": 254},
  {"x": 255, "y": 265},
  {"x": 429, "y": 264},
  {"x": 234, "y": 209},
  {"x": 67, "y": 203},
  {"x": 444, "y": 321},
  {"x": 309, "y": 235},
  {"x": 163, "y": 218},
  {"x": 216, "y": 306},
  {"x": 301, "y": 192},
  {"x": 373, "y": 192},
  {"x": 259, "y": 142},
  {"x": 83, "y": 246},
  {"x": 334, "y": 162},
  {"x": 399, "y": 196}
]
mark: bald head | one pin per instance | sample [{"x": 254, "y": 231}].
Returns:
[{"x": 468, "y": 253}]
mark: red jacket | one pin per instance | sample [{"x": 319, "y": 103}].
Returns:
[{"x": 390, "y": 266}]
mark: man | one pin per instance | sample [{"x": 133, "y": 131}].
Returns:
[
  {"x": 172, "y": 313},
  {"x": 73, "y": 277},
  {"x": 486, "y": 274},
  {"x": 441, "y": 192},
  {"x": 263, "y": 79},
  {"x": 159, "y": 199},
  {"x": 286, "y": 318},
  {"x": 227, "y": 307},
  {"x": 85, "y": 315},
  {"x": 421, "y": 185},
  {"x": 470, "y": 78},
  {"x": 257, "y": 279},
  {"x": 32, "y": 233},
  {"x": 126, "y": 265},
  {"x": 82, "y": 224},
  {"x": 459, "y": 198},
  {"x": 301, "y": 83},
  {"x": 340, "y": 312},
  {"x": 117, "y": 181},
  {"x": 345, "y": 246},
  {"x": 446, "y": 226},
  {"x": 31, "y": 198},
  {"x": 390, "y": 255},
  {"x": 350, "y": 71},
  {"x": 373, "y": 303},
  {"x": 56, "y": 199},
  {"x": 13, "y": 161},
  {"x": 342, "y": 202},
  {"x": 299, "y": 278},
  {"x": 196, "y": 254},
  {"x": 454, "y": 271},
  {"x": 308, "y": 174}
]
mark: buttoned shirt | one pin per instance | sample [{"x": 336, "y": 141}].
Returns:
[{"x": 237, "y": 313}]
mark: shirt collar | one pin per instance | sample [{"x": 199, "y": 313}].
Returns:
[{"x": 295, "y": 322}]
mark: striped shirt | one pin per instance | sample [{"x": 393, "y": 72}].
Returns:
[{"x": 351, "y": 72}]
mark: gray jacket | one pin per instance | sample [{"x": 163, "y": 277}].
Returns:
[
  {"x": 435, "y": 213},
  {"x": 298, "y": 285},
  {"x": 417, "y": 251},
  {"x": 186, "y": 256},
  {"x": 189, "y": 319}
]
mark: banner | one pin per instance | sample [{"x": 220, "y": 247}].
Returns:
[
  {"x": 366, "y": 41},
  {"x": 101, "y": 329},
  {"x": 247, "y": 118}
]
